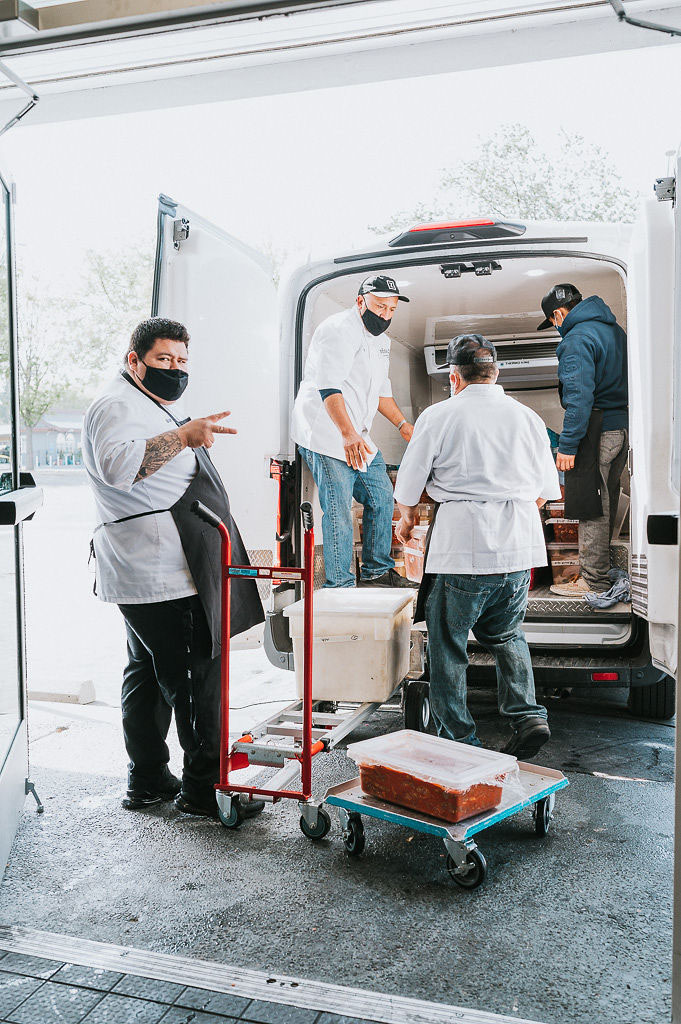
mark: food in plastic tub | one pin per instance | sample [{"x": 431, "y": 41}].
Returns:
[
  {"x": 560, "y": 549},
  {"x": 361, "y": 637},
  {"x": 555, "y": 509},
  {"x": 564, "y": 559},
  {"x": 414, "y": 554},
  {"x": 396, "y": 518},
  {"x": 564, "y": 569},
  {"x": 435, "y": 776},
  {"x": 566, "y": 530}
]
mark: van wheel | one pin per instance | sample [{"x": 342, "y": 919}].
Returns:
[
  {"x": 417, "y": 713},
  {"x": 655, "y": 701}
]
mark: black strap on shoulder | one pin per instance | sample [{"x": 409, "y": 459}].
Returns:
[
  {"x": 164, "y": 408},
  {"x": 154, "y": 511}
]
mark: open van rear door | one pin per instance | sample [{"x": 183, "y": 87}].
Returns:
[
  {"x": 224, "y": 292},
  {"x": 654, "y": 395}
]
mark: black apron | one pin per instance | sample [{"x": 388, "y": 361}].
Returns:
[
  {"x": 202, "y": 546},
  {"x": 583, "y": 483},
  {"x": 427, "y": 578}
]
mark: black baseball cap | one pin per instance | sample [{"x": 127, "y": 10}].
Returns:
[
  {"x": 382, "y": 286},
  {"x": 469, "y": 350},
  {"x": 559, "y": 295}
]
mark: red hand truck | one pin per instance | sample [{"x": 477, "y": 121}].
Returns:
[{"x": 273, "y": 751}]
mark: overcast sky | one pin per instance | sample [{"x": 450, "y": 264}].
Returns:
[{"x": 314, "y": 169}]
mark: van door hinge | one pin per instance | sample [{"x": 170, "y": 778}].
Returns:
[
  {"x": 665, "y": 190},
  {"x": 180, "y": 231}
]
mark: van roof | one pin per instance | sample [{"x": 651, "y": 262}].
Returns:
[{"x": 609, "y": 239}]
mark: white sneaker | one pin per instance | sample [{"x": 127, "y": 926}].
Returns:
[{"x": 576, "y": 587}]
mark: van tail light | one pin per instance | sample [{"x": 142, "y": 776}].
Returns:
[
  {"x": 457, "y": 231},
  {"x": 455, "y": 226},
  {"x": 605, "y": 677}
]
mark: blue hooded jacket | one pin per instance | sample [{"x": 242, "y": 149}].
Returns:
[{"x": 592, "y": 370}]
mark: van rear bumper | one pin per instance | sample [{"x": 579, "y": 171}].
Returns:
[{"x": 632, "y": 666}]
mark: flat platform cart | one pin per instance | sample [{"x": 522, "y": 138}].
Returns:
[{"x": 465, "y": 862}]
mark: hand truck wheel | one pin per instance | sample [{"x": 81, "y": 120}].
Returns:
[
  {"x": 320, "y": 828},
  {"x": 476, "y": 870},
  {"x": 543, "y": 812},
  {"x": 235, "y": 816},
  {"x": 353, "y": 835},
  {"x": 417, "y": 710}
]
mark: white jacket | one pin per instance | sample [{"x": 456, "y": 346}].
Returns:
[
  {"x": 487, "y": 459},
  {"x": 343, "y": 355}
]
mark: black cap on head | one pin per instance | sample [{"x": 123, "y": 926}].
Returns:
[
  {"x": 559, "y": 296},
  {"x": 470, "y": 350},
  {"x": 382, "y": 286}
]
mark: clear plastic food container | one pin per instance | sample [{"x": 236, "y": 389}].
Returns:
[
  {"x": 435, "y": 776},
  {"x": 414, "y": 554},
  {"x": 566, "y": 531},
  {"x": 564, "y": 559},
  {"x": 555, "y": 509}
]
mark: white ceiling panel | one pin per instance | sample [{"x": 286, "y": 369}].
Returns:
[{"x": 342, "y": 44}]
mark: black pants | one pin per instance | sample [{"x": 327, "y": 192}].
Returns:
[{"x": 170, "y": 669}]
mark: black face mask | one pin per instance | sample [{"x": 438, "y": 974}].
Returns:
[
  {"x": 374, "y": 324},
  {"x": 167, "y": 385}
]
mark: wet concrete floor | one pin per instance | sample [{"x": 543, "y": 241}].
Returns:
[{"x": 574, "y": 927}]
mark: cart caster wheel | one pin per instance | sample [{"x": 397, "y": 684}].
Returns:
[
  {"x": 320, "y": 829},
  {"x": 543, "y": 812},
  {"x": 476, "y": 873},
  {"x": 235, "y": 816},
  {"x": 353, "y": 835}
]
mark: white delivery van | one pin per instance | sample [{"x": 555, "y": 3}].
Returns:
[{"x": 487, "y": 277}]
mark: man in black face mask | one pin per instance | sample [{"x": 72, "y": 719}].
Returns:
[
  {"x": 147, "y": 464},
  {"x": 346, "y": 382}
]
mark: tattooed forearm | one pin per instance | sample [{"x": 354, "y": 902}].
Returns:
[{"x": 160, "y": 450}]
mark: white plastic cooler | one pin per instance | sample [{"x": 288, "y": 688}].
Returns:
[{"x": 360, "y": 647}]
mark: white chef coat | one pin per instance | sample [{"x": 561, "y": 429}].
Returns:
[
  {"x": 343, "y": 355},
  {"x": 141, "y": 561},
  {"x": 486, "y": 458}
]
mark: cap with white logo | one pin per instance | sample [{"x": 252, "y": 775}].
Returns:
[
  {"x": 559, "y": 295},
  {"x": 382, "y": 286}
]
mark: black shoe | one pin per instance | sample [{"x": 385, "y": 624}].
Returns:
[
  {"x": 528, "y": 739},
  {"x": 135, "y": 800},
  {"x": 391, "y": 578},
  {"x": 166, "y": 788},
  {"x": 249, "y": 808}
]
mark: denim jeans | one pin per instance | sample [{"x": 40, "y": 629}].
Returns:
[
  {"x": 493, "y": 607},
  {"x": 338, "y": 484}
]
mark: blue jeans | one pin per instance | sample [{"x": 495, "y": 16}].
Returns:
[
  {"x": 493, "y": 607},
  {"x": 338, "y": 484}
]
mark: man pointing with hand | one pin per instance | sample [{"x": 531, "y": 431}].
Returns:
[{"x": 161, "y": 565}]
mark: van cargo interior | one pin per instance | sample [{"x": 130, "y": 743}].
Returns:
[{"x": 498, "y": 297}]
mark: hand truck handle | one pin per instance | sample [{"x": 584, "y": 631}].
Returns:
[
  {"x": 306, "y": 512},
  {"x": 206, "y": 514}
]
